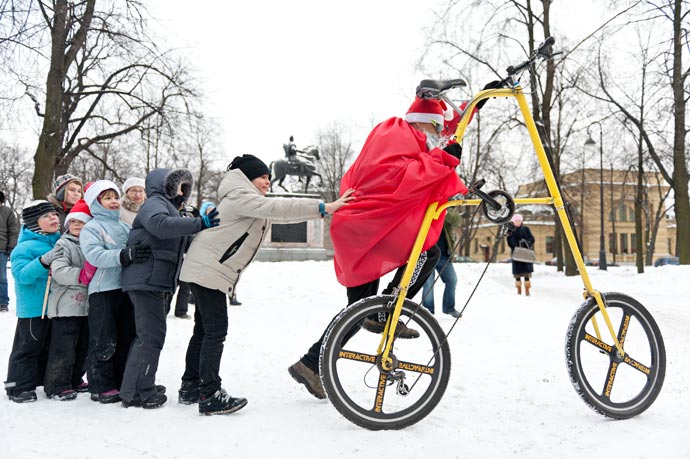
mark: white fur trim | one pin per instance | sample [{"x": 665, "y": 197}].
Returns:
[
  {"x": 81, "y": 216},
  {"x": 424, "y": 118},
  {"x": 97, "y": 188}
]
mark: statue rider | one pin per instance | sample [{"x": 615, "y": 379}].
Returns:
[{"x": 290, "y": 150}]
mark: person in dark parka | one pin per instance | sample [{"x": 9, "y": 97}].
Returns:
[
  {"x": 160, "y": 226},
  {"x": 521, "y": 270}
]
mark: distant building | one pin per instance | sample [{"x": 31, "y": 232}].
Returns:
[{"x": 581, "y": 190}]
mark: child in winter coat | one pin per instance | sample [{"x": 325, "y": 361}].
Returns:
[
  {"x": 31, "y": 260},
  {"x": 103, "y": 241},
  {"x": 68, "y": 310},
  {"x": 213, "y": 266},
  {"x": 159, "y": 225}
]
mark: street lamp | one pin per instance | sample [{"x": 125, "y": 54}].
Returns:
[{"x": 590, "y": 144}]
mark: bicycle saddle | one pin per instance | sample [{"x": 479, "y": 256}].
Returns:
[{"x": 430, "y": 89}]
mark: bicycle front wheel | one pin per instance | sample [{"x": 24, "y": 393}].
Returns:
[
  {"x": 357, "y": 385},
  {"x": 617, "y": 386}
]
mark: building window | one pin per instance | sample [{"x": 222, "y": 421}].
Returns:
[
  {"x": 612, "y": 243},
  {"x": 476, "y": 245},
  {"x": 633, "y": 242},
  {"x": 549, "y": 245},
  {"x": 624, "y": 243},
  {"x": 668, "y": 245},
  {"x": 622, "y": 214}
]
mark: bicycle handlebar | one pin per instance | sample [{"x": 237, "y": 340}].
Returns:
[{"x": 543, "y": 51}]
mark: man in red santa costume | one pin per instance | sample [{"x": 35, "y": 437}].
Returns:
[{"x": 399, "y": 172}]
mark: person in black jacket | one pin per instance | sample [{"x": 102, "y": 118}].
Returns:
[
  {"x": 9, "y": 232},
  {"x": 521, "y": 236},
  {"x": 159, "y": 225}
]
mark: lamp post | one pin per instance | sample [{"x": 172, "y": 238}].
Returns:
[{"x": 590, "y": 143}]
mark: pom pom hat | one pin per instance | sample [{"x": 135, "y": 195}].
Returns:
[
  {"x": 80, "y": 211},
  {"x": 133, "y": 181},
  {"x": 428, "y": 111},
  {"x": 517, "y": 218},
  {"x": 33, "y": 211},
  {"x": 96, "y": 188}
]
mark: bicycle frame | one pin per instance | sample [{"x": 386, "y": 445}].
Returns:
[{"x": 435, "y": 209}]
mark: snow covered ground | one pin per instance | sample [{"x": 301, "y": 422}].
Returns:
[{"x": 509, "y": 394}]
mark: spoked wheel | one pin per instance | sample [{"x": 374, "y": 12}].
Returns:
[
  {"x": 359, "y": 387},
  {"x": 617, "y": 386}
]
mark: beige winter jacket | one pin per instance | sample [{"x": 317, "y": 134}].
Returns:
[{"x": 217, "y": 256}]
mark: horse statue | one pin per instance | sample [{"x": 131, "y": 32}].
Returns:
[{"x": 301, "y": 165}]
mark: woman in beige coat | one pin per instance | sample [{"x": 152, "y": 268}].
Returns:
[{"x": 215, "y": 261}]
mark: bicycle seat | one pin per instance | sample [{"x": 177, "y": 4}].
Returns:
[{"x": 430, "y": 89}]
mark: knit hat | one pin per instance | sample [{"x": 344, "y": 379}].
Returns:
[
  {"x": 98, "y": 187},
  {"x": 33, "y": 211},
  {"x": 133, "y": 181},
  {"x": 80, "y": 211},
  {"x": 252, "y": 166},
  {"x": 427, "y": 111},
  {"x": 60, "y": 184},
  {"x": 517, "y": 218}
]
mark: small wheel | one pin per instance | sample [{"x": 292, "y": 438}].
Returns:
[
  {"x": 357, "y": 383},
  {"x": 504, "y": 213},
  {"x": 617, "y": 386}
]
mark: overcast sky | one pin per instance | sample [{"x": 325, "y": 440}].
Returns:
[{"x": 274, "y": 69}]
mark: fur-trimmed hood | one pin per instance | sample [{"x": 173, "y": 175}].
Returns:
[{"x": 165, "y": 182}]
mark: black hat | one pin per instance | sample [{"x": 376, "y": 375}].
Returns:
[
  {"x": 33, "y": 211},
  {"x": 252, "y": 166}
]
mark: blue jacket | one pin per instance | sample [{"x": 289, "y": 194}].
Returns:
[
  {"x": 30, "y": 276},
  {"x": 160, "y": 225},
  {"x": 101, "y": 240}
]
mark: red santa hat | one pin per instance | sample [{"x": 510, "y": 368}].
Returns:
[
  {"x": 94, "y": 190},
  {"x": 428, "y": 111},
  {"x": 80, "y": 211}
]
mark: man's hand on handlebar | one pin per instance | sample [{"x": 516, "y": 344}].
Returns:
[
  {"x": 497, "y": 84},
  {"x": 454, "y": 149}
]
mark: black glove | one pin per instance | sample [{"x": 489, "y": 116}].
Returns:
[
  {"x": 210, "y": 219},
  {"x": 135, "y": 254},
  {"x": 491, "y": 85},
  {"x": 454, "y": 149}
]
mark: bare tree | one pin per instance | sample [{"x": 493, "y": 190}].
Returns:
[
  {"x": 106, "y": 78},
  {"x": 335, "y": 147},
  {"x": 15, "y": 175}
]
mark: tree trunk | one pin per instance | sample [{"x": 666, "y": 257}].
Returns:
[
  {"x": 680, "y": 171},
  {"x": 52, "y": 131}
]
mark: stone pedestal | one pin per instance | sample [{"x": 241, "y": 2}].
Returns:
[{"x": 294, "y": 241}]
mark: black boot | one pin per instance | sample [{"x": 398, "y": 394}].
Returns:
[
  {"x": 24, "y": 397},
  {"x": 188, "y": 393},
  {"x": 220, "y": 403}
]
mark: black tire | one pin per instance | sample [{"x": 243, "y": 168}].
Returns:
[
  {"x": 618, "y": 387},
  {"x": 350, "y": 373}
]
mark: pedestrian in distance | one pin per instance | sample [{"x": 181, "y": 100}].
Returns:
[
  {"x": 9, "y": 232},
  {"x": 521, "y": 237}
]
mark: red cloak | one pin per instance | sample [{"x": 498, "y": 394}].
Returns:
[{"x": 395, "y": 178}]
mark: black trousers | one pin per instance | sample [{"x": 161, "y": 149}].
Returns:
[
  {"x": 354, "y": 294},
  {"x": 67, "y": 351},
  {"x": 202, "y": 362},
  {"x": 139, "y": 381},
  {"x": 26, "y": 366},
  {"x": 111, "y": 332}
]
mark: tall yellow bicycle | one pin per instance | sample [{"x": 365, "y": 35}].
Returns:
[{"x": 615, "y": 354}]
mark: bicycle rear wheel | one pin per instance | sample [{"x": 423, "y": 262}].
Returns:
[
  {"x": 366, "y": 394},
  {"x": 617, "y": 386}
]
